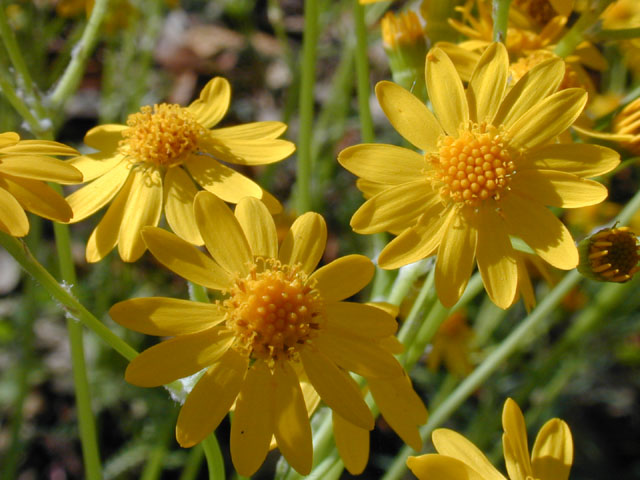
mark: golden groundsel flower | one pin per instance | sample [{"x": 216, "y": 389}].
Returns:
[
  {"x": 489, "y": 170},
  {"x": 279, "y": 324},
  {"x": 610, "y": 255},
  {"x": 25, "y": 166},
  {"x": 150, "y": 164},
  {"x": 459, "y": 459}
]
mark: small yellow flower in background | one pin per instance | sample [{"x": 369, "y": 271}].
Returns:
[
  {"x": 280, "y": 324},
  {"x": 450, "y": 346},
  {"x": 150, "y": 165},
  {"x": 459, "y": 459},
  {"x": 489, "y": 170},
  {"x": 627, "y": 122},
  {"x": 610, "y": 255},
  {"x": 25, "y": 166}
]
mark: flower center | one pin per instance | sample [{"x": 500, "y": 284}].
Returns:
[
  {"x": 475, "y": 166},
  {"x": 613, "y": 254},
  {"x": 162, "y": 135},
  {"x": 274, "y": 310}
]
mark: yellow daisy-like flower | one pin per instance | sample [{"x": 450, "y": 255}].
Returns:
[
  {"x": 25, "y": 166},
  {"x": 150, "y": 165},
  {"x": 280, "y": 323},
  {"x": 459, "y": 459},
  {"x": 488, "y": 169}
]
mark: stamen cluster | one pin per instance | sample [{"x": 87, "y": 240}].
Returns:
[
  {"x": 162, "y": 135},
  {"x": 474, "y": 166},
  {"x": 274, "y": 310}
]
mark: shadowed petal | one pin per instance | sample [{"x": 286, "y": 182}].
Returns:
[
  {"x": 514, "y": 441},
  {"x": 488, "y": 83},
  {"x": 440, "y": 467},
  {"x": 258, "y": 227},
  {"x": 179, "y": 195},
  {"x": 552, "y": 453},
  {"x": 352, "y": 442},
  {"x": 213, "y": 102},
  {"x": 305, "y": 242}
]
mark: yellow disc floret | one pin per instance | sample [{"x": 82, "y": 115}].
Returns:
[
  {"x": 474, "y": 166},
  {"x": 162, "y": 135},
  {"x": 274, "y": 311}
]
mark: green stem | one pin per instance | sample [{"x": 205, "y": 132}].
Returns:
[
  {"x": 617, "y": 34},
  {"x": 80, "y": 54},
  {"x": 17, "y": 102},
  {"x": 25, "y": 80},
  {"x": 421, "y": 305},
  {"x": 305, "y": 161},
  {"x": 156, "y": 457},
  {"x": 192, "y": 464},
  {"x": 568, "y": 43},
  {"x": 215, "y": 462},
  {"x": 405, "y": 279},
  {"x": 362, "y": 74},
  {"x": 500, "y": 20},
  {"x": 69, "y": 303}
]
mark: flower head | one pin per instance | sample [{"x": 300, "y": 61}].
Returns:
[
  {"x": 150, "y": 164},
  {"x": 610, "y": 255},
  {"x": 488, "y": 169},
  {"x": 278, "y": 324},
  {"x": 459, "y": 459},
  {"x": 25, "y": 166}
]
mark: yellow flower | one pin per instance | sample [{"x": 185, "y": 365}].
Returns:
[
  {"x": 279, "y": 324},
  {"x": 451, "y": 346},
  {"x": 610, "y": 255},
  {"x": 25, "y": 166},
  {"x": 151, "y": 163},
  {"x": 488, "y": 171},
  {"x": 459, "y": 459}
]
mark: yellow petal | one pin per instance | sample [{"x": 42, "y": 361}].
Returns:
[
  {"x": 591, "y": 57},
  {"x": 222, "y": 234},
  {"x": 541, "y": 230},
  {"x": 13, "y": 220},
  {"x": 89, "y": 199},
  {"x": 455, "y": 260},
  {"x": 352, "y": 443},
  {"x": 558, "y": 189},
  {"x": 96, "y": 164},
  {"x": 258, "y": 227},
  {"x": 37, "y": 147},
  {"x": 271, "y": 202},
  {"x": 440, "y": 467},
  {"x": 336, "y": 388},
  {"x": 253, "y": 422},
  {"x": 400, "y": 406},
  {"x": 552, "y": 454},
  {"x": 213, "y": 102},
  {"x": 464, "y": 59},
  {"x": 396, "y": 208},
  {"x": 105, "y": 138},
  {"x": 343, "y": 277},
  {"x": 534, "y": 86},
  {"x": 417, "y": 242},
  {"x": 292, "y": 429},
  {"x": 514, "y": 441},
  {"x": 548, "y": 118},
  {"x": 251, "y": 131},
  {"x": 211, "y": 399},
  {"x": 357, "y": 354},
  {"x": 43, "y": 168},
  {"x": 179, "y": 195},
  {"x": 37, "y": 197},
  {"x": 452, "y": 444},
  {"x": 358, "y": 319},
  {"x": 382, "y": 163},
  {"x": 105, "y": 236},
  {"x": 580, "y": 159},
  {"x": 166, "y": 316},
  {"x": 445, "y": 91},
  {"x": 496, "y": 259},
  {"x": 221, "y": 180},
  {"x": 247, "y": 152},
  {"x": 143, "y": 208},
  {"x": 488, "y": 83},
  {"x": 409, "y": 116},
  {"x": 8, "y": 139},
  {"x": 305, "y": 242},
  {"x": 178, "y": 357},
  {"x": 185, "y": 259}
]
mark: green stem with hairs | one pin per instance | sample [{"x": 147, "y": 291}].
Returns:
[
  {"x": 500, "y": 20},
  {"x": 305, "y": 161}
]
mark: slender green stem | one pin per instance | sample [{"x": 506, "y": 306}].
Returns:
[
  {"x": 405, "y": 279},
  {"x": 568, "y": 43},
  {"x": 17, "y": 102},
  {"x": 421, "y": 305},
  {"x": 305, "y": 160},
  {"x": 192, "y": 464},
  {"x": 500, "y": 20},
  {"x": 80, "y": 54},
  {"x": 362, "y": 74},
  {"x": 618, "y": 34},
  {"x": 69, "y": 303},
  {"x": 24, "y": 77},
  {"x": 212, "y": 453}
]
